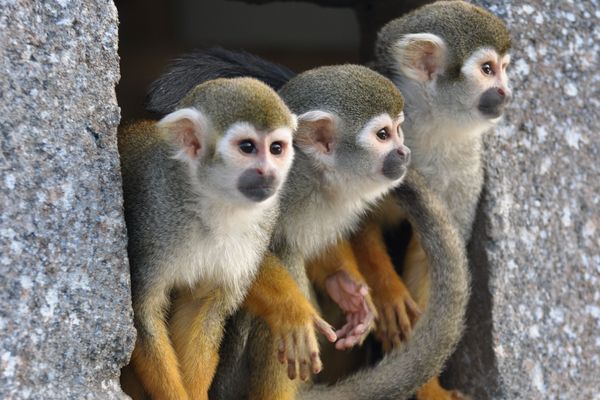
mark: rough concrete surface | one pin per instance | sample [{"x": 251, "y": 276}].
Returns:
[
  {"x": 65, "y": 317},
  {"x": 536, "y": 246}
]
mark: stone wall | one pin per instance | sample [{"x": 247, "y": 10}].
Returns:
[
  {"x": 65, "y": 314},
  {"x": 536, "y": 248}
]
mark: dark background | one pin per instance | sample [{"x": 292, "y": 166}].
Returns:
[{"x": 301, "y": 35}]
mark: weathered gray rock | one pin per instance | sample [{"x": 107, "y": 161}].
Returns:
[
  {"x": 65, "y": 316},
  {"x": 536, "y": 248}
]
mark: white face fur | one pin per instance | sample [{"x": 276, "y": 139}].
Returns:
[
  {"x": 457, "y": 109},
  {"x": 255, "y": 158},
  {"x": 252, "y": 165},
  {"x": 381, "y": 136},
  {"x": 486, "y": 69}
]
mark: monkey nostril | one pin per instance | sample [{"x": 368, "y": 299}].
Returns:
[
  {"x": 501, "y": 92},
  {"x": 259, "y": 171},
  {"x": 403, "y": 151}
]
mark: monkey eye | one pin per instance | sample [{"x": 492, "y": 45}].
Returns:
[
  {"x": 383, "y": 134},
  {"x": 247, "y": 146},
  {"x": 276, "y": 148},
  {"x": 486, "y": 68}
]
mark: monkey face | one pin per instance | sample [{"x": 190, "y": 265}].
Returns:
[
  {"x": 485, "y": 71},
  {"x": 383, "y": 140},
  {"x": 259, "y": 160}
]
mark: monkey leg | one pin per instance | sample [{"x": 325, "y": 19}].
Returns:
[
  {"x": 196, "y": 328},
  {"x": 396, "y": 308},
  {"x": 153, "y": 359},
  {"x": 276, "y": 298},
  {"x": 131, "y": 385},
  {"x": 268, "y": 380},
  {"x": 416, "y": 276}
]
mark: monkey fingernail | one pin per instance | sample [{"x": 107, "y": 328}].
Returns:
[
  {"x": 304, "y": 372},
  {"x": 292, "y": 369},
  {"x": 364, "y": 290}
]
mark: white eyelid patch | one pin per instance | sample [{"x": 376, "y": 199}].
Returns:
[
  {"x": 237, "y": 131},
  {"x": 480, "y": 56},
  {"x": 281, "y": 134},
  {"x": 366, "y": 137}
]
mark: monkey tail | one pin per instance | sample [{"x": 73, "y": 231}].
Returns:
[
  {"x": 403, "y": 371},
  {"x": 192, "y": 69}
]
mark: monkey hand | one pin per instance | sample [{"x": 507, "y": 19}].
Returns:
[
  {"x": 353, "y": 298},
  {"x": 398, "y": 312},
  {"x": 297, "y": 344}
]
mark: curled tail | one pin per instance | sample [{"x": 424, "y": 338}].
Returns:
[
  {"x": 192, "y": 69},
  {"x": 403, "y": 371}
]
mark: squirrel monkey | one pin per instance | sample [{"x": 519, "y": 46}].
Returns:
[
  {"x": 342, "y": 163},
  {"x": 349, "y": 153},
  {"x": 449, "y": 60},
  {"x": 201, "y": 190}
]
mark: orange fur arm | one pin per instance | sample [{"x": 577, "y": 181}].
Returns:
[
  {"x": 275, "y": 297},
  {"x": 337, "y": 258}
]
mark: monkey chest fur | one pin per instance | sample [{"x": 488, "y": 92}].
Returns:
[{"x": 222, "y": 255}]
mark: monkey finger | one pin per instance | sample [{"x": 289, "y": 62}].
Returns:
[
  {"x": 343, "y": 331},
  {"x": 382, "y": 326},
  {"x": 290, "y": 344},
  {"x": 403, "y": 321},
  {"x": 313, "y": 348},
  {"x": 396, "y": 342},
  {"x": 304, "y": 369},
  {"x": 348, "y": 342},
  {"x": 325, "y": 329},
  {"x": 342, "y": 344},
  {"x": 392, "y": 323},
  {"x": 351, "y": 341},
  {"x": 363, "y": 290},
  {"x": 304, "y": 354},
  {"x": 413, "y": 308},
  {"x": 292, "y": 369},
  {"x": 317, "y": 364},
  {"x": 281, "y": 350}
]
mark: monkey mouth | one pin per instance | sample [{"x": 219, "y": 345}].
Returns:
[
  {"x": 395, "y": 165},
  {"x": 491, "y": 112},
  {"x": 257, "y": 193}
]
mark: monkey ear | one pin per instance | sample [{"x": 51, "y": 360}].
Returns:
[
  {"x": 316, "y": 132},
  {"x": 186, "y": 130},
  {"x": 420, "y": 56}
]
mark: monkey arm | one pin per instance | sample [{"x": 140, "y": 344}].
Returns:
[
  {"x": 276, "y": 298},
  {"x": 335, "y": 271},
  {"x": 397, "y": 309}
]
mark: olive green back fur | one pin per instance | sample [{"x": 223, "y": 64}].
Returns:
[{"x": 465, "y": 27}]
